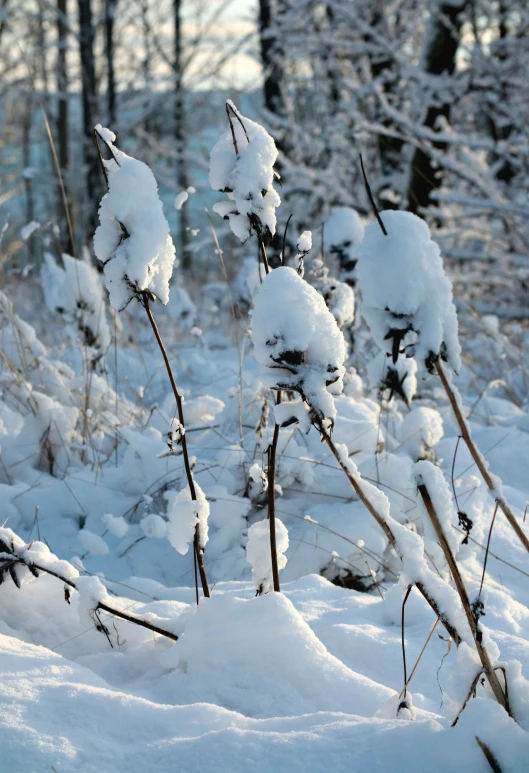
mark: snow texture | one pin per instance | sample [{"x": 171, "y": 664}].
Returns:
[
  {"x": 407, "y": 297},
  {"x": 133, "y": 240},
  {"x": 297, "y": 341},
  {"x": 246, "y": 176}
]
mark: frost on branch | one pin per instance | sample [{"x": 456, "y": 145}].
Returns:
[
  {"x": 407, "y": 297},
  {"x": 343, "y": 233},
  {"x": 183, "y": 514},
  {"x": 297, "y": 341},
  {"x": 133, "y": 240},
  {"x": 258, "y": 552},
  {"x": 246, "y": 175}
]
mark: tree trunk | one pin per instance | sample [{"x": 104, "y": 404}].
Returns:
[
  {"x": 272, "y": 61},
  {"x": 86, "y": 47},
  {"x": 110, "y": 13},
  {"x": 63, "y": 132},
  {"x": 443, "y": 37},
  {"x": 179, "y": 118}
]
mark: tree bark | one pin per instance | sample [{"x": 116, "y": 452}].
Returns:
[
  {"x": 182, "y": 178},
  {"x": 88, "y": 76},
  {"x": 63, "y": 131},
  {"x": 110, "y": 13},
  {"x": 272, "y": 61}
]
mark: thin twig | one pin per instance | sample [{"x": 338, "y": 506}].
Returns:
[
  {"x": 371, "y": 199},
  {"x": 272, "y": 451}
]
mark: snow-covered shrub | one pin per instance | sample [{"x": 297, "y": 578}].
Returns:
[
  {"x": 297, "y": 341},
  {"x": 75, "y": 292},
  {"x": 133, "y": 240},
  {"x": 407, "y": 297},
  {"x": 242, "y": 166},
  {"x": 258, "y": 552},
  {"x": 342, "y": 235}
]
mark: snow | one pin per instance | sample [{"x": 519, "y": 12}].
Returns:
[
  {"x": 133, "y": 240},
  {"x": 182, "y": 197},
  {"x": 29, "y": 229},
  {"x": 116, "y": 524},
  {"x": 407, "y": 297},
  {"x": 246, "y": 176},
  {"x": 297, "y": 341},
  {"x": 258, "y": 552},
  {"x": 420, "y": 431},
  {"x": 338, "y": 296},
  {"x": 183, "y": 514},
  {"x": 343, "y": 233},
  {"x": 304, "y": 243}
]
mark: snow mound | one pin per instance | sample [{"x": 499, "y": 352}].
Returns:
[
  {"x": 407, "y": 297},
  {"x": 280, "y": 668}
]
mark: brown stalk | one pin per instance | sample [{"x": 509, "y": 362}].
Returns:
[
  {"x": 491, "y": 759},
  {"x": 486, "y": 662},
  {"x": 465, "y": 434},
  {"x": 272, "y": 451},
  {"x": 180, "y": 408}
]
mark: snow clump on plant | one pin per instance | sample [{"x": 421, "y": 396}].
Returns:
[
  {"x": 297, "y": 342},
  {"x": 407, "y": 297},
  {"x": 133, "y": 240},
  {"x": 242, "y": 165}
]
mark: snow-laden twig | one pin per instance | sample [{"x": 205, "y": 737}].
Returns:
[{"x": 16, "y": 554}]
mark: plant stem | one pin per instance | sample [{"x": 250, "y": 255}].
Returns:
[
  {"x": 272, "y": 452},
  {"x": 180, "y": 408},
  {"x": 478, "y": 459},
  {"x": 465, "y": 601}
]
